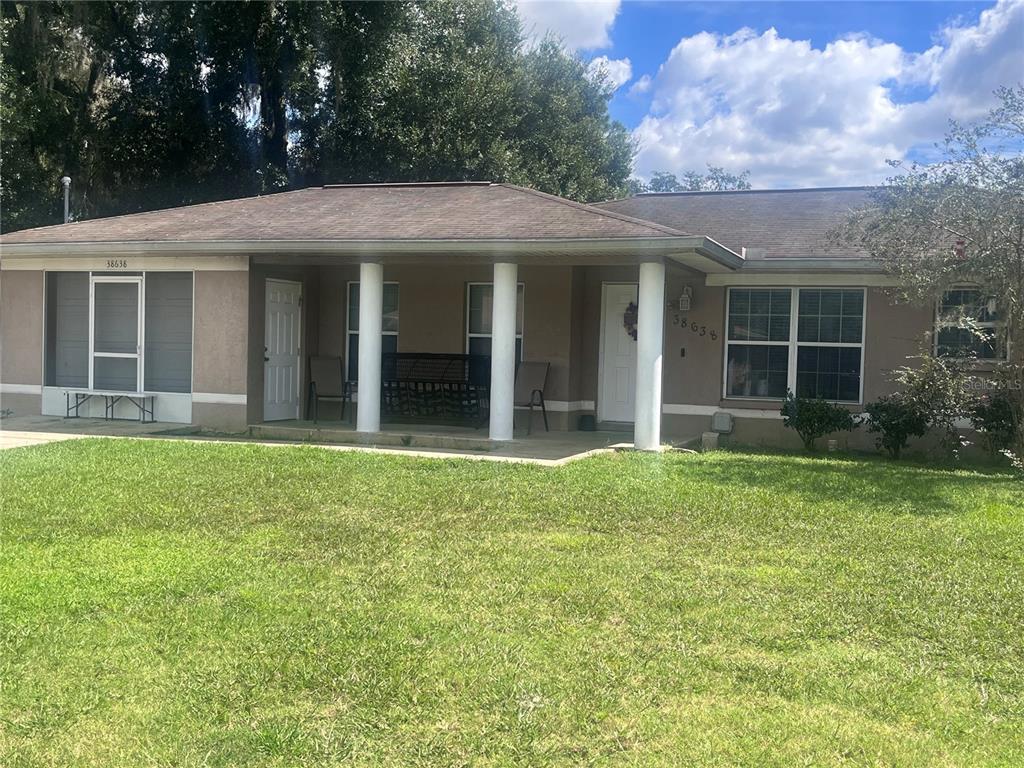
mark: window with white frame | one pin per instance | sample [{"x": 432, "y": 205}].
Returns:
[
  {"x": 389, "y": 325},
  {"x": 807, "y": 340},
  {"x": 968, "y": 325},
  {"x": 479, "y": 309},
  {"x": 830, "y": 344},
  {"x": 757, "y": 355}
]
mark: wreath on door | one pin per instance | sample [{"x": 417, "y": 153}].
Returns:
[{"x": 629, "y": 320}]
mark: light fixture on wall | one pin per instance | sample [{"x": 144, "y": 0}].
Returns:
[{"x": 685, "y": 301}]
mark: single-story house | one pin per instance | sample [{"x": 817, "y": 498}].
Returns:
[{"x": 655, "y": 312}]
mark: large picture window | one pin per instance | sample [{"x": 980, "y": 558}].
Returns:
[
  {"x": 119, "y": 332},
  {"x": 479, "y": 311},
  {"x": 968, "y": 325},
  {"x": 389, "y": 325},
  {"x": 807, "y": 340}
]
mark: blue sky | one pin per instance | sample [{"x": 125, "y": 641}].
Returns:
[{"x": 799, "y": 93}]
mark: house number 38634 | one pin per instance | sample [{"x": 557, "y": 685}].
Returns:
[{"x": 117, "y": 263}]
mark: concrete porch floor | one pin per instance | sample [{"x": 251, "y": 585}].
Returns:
[{"x": 544, "y": 448}]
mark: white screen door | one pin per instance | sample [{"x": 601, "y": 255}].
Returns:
[
  {"x": 115, "y": 333},
  {"x": 282, "y": 359},
  {"x": 617, "y": 396}
]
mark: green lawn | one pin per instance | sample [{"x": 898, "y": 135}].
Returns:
[{"x": 167, "y": 603}]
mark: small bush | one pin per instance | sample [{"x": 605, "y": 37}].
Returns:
[
  {"x": 993, "y": 416},
  {"x": 897, "y": 418},
  {"x": 939, "y": 389},
  {"x": 814, "y": 418}
]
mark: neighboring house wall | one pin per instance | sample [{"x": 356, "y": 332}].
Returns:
[
  {"x": 21, "y": 341},
  {"x": 220, "y": 349}
]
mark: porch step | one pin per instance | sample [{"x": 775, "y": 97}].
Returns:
[{"x": 393, "y": 438}]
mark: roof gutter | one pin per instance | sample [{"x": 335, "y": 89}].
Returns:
[
  {"x": 807, "y": 272},
  {"x": 626, "y": 246},
  {"x": 777, "y": 265}
]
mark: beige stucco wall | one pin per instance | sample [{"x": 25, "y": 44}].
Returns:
[
  {"x": 219, "y": 346},
  {"x": 21, "y": 339},
  {"x": 21, "y": 327},
  {"x": 893, "y": 332}
]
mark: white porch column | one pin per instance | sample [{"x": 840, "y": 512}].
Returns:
[
  {"x": 650, "y": 341},
  {"x": 371, "y": 308},
  {"x": 503, "y": 350}
]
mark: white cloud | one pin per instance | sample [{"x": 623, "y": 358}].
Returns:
[
  {"x": 618, "y": 71},
  {"x": 795, "y": 115},
  {"x": 581, "y": 24},
  {"x": 642, "y": 85}
]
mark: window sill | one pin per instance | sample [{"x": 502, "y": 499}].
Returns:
[
  {"x": 974, "y": 364},
  {"x": 768, "y": 403}
]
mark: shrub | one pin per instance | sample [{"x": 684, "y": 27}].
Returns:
[
  {"x": 1008, "y": 418},
  {"x": 993, "y": 416},
  {"x": 939, "y": 389},
  {"x": 814, "y": 418},
  {"x": 897, "y": 418}
]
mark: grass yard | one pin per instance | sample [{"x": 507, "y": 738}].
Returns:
[{"x": 167, "y": 603}]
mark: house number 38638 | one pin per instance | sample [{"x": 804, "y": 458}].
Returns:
[
  {"x": 700, "y": 330},
  {"x": 117, "y": 263}
]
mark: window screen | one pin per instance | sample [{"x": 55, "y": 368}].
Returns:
[
  {"x": 168, "y": 354},
  {"x": 67, "y": 329}
]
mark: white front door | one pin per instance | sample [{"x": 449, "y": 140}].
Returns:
[
  {"x": 281, "y": 356},
  {"x": 616, "y": 397}
]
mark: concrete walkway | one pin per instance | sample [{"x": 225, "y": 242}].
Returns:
[
  {"x": 16, "y": 439},
  {"x": 21, "y": 431},
  {"x": 545, "y": 449}
]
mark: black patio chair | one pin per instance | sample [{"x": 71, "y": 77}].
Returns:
[
  {"x": 326, "y": 382},
  {"x": 531, "y": 378}
]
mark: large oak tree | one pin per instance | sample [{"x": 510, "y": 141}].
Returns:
[{"x": 151, "y": 104}]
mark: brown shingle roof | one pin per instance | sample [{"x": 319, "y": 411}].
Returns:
[
  {"x": 441, "y": 211},
  {"x": 768, "y": 223}
]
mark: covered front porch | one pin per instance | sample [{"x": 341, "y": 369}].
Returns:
[{"x": 497, "y": 314}]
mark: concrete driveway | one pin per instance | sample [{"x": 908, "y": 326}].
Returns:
[{"x": 21, "y": 431}]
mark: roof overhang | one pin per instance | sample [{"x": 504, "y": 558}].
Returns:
[
  {"x": 800, "y": 271},
  {"x": 700, "y": 253}
]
